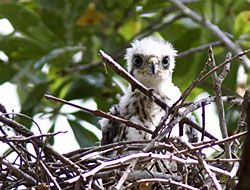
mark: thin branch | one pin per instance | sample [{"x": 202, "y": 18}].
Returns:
[
  {"x": 210, "y": 173},
  {"x": 18, "y": 173},
  {"x": 213, "y": 143},
  {"x": 244, "y": 171},
  {"x": 134, "y": 83},
  {"x": 212, "y": 28},
  {"x": 159, "y": 180},
  {"x": 217, "y": 81},
  {"x": 141, "y": 174},
  {"x": 25, "y": 139},
  {"x": 100, "y": 113},
  {"x": 50, "y": 175},
  {"x": 47, "y": 148},
  {"x": 136, "y": 156},
  {"x": 198, "y": 49}
]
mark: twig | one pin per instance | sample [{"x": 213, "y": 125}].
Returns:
[
  {"x": 198, "y": 49},
  {"x": 244, "y": 171},
  {"x": 49, "y": 174},
  {"x": 213, "y": 143},
  {"x": 203, "y": 123},
  {"x": 148, "y": 155},
  {"x": 237, "y": 56},
  {"x": 243, "y": 115},
  {"x": 141, "y": 174},
  {"x": 24, "y": 116},
  {"x": 210, "y": 173},
  {"x": 213, "y": 28},
  {"x": 25, "y": 139},
  {"x": 18, "y": 173},
  {"x": 101, "y": 114},
  {"x": 48, "y": 149},
  {"x": 125, "y": 174},
  {"x": 159, "y": 180},
  {"x": 204, "y": 75},
  {"x": 134, "y": 83},
  {"x": 159, "y": 137},
  {"x": 235, "y": 168},
  {"x": 188, "y": 109},
  {"x": 217, "y": 81}
]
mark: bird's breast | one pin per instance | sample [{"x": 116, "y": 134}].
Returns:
[{"x": 142, "y": 109}]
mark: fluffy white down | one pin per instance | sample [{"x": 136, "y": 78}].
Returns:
[{"x": 151, "y": 46}]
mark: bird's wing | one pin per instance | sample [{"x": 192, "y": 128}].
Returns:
[{"x": 111, "y": 130}]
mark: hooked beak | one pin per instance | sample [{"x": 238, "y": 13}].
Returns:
[
  {"x": 152, "y": 68},
  {"x": 151, "y": 65}
]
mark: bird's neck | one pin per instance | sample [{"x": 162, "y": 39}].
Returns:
[{"x": 157, "y": 83}]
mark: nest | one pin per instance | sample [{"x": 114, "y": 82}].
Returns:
[{"x": 169, "y": 163}]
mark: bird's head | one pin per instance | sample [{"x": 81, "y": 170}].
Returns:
[{"x": 151, "y": 61}]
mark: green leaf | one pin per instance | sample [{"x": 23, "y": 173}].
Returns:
[
  {"x": 7, "y": 71},
  {"x": 130, "y": 28},
  {"x": 51, "y": 130},
  {"x": 84, "y": 137},
  {"x": 32, "y": 103},
  {"x": 46, "y": 38},
  {"x": 86, "y": 117},
  {"x": 20, "y": 17},
  {"x": 55, "y": 5},
  {"x": 19, "y": 48},
  {"x": 84, "y": 87},
  {"x": 60, "y": 53},
  {"x": 242, "y": 23}
]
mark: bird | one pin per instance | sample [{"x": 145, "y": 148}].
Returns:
[{"x": 151, "y": 61}]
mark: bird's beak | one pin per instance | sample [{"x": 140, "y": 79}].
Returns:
[
  {"x": 152, "y": 68},
  {"x": 151, "y": 65}
]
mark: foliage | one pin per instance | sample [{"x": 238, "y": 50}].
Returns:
[{"x": 54, "y": 49}]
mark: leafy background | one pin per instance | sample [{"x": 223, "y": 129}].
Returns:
[{"x": 54, "y": 49}]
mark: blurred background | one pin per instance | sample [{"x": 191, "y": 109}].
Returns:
[{"x": 51, "y": 47}]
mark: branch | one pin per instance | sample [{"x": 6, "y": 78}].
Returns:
[
  {"x": 25, "y": 139},
  {"x": 198, "y": 49},
  {"x": 212, "y": 28},
  {"x": 140, "y": 156},
  {"x": 204, "y": 75},
  {"x": 217, "y": 81},
  {"x": 18, "y": 173},
  {"x": 100, "y": 113},
  {"x": 142, "y": 174},
  {"x": 47, "y": 148},
  {"x": 213, "y": 143},
  {"x": 210, "y": 173},
  {"x": 134, "y": 83},
  {"x": 189, "y": 109},
  {"x": 244, "y": 172},
  {"x": 159, "y": 180},
  {"x": 50, "y": 175}
]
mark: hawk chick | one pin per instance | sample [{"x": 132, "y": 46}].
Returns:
[{"x": 151, "y": 61}]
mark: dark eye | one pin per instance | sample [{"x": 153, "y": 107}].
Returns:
[
  {"x": 137, "y": 60},
  {"x": 165, "y": 62}
]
